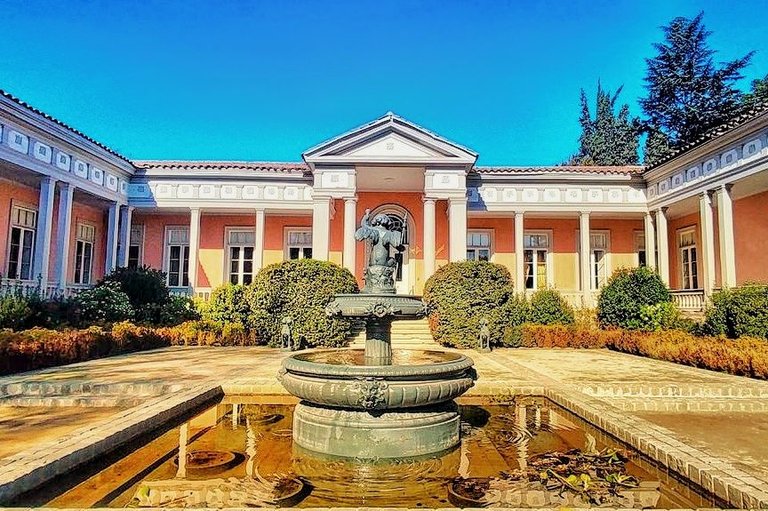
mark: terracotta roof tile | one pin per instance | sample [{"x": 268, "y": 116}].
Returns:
[
  {"x": 29, "y": 107},
  {"x": 741, "y": 118},
  {"x": 204, "y": 165},
  {"x": 581, "y": 169}
]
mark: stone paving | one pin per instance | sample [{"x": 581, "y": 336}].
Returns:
[{"x": 709, "y": 426}]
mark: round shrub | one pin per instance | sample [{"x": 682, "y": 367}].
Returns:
[
  {"x": 460, "y": 294},
  {"x": 621, "y": 300},
  {"x": 300, "y": 289},
  {"x": 146, "y": 290},
  {"x": 105, "y": 303},
  {"x": 739, "y": 312},
  {"x": 548, "y": 307},
  {"x": 228, "y": 304}
]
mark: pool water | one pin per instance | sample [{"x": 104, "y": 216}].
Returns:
[{"x": 230, "y": 454}]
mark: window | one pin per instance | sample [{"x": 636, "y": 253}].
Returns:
[
  {"x": 299, "y": 244},
  {"x": 23, "y": 230},
  {"x": 240, "y": 243},
  {"x": 84, "y": 239},
  {"x": 177, "y": 256},
  {"x": 642, "y": 258},
  {"x": 535, "y": 258},
  {"x": 598, "y": 257},
  {"x": 135, "y": 247},
  {"x": 688, "y": 259},
  {"x": 478, "y": 246}
]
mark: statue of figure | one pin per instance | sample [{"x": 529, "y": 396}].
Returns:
[
  {"x": 285, "y": 334},
  {"x": 484, "y": 336},
  {"x": 379, "y": 275}
]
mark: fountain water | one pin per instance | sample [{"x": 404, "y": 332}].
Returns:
[{"x": 377, "y": 403}]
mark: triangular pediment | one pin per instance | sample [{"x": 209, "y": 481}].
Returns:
[{"x": 389, "y": 139}]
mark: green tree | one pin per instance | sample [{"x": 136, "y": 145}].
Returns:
[
  {"x": 611, "y": 137},
  {"x": 758, "y": 92},
  {"x": 687, "y": 93}
]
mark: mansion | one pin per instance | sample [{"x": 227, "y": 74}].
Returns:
[{"x": 72, "y": 209}]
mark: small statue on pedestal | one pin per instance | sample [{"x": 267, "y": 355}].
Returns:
[
  {"x": 484, "y": 337},
  {"x": 286, "y": 341}
]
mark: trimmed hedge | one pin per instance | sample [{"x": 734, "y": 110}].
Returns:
[
  {"x": 747, "y": 356},
  {"x": 621, "y": 301},
  {"x": 229, "y": 304},
  {"x": 460, "y": 294},
  {"x": 300, "y": 289},
  {"x": 738, "y": 312},
  {"x": 548, "y": 307}
]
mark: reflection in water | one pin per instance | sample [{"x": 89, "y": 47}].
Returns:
[{"x": 496, "y": 440}]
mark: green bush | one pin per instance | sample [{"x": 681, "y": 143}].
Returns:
[
  {"x": 548, "y": 307},
  {"x": 176, "y": 310},
  {"x": 621, "y": 300},
  {"x": 739, "y": 312},
  {"x": 460, "y": 294},
  {"x": 660, "y": 316},
  {"x": 105, "y": 303},
  {"x": 146, "y": 290},
  {"x": 300, "y": 289},
  {"x": 229, "y": 304},
  {"x": 15, "y": 311}
]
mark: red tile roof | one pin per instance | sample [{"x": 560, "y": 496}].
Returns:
[
  {"x": 204, "y": 165},
  {"x": 580, "y": 169},
  {"x": 34, "y": 110}
]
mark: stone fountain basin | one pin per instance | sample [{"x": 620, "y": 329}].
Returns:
[
  {"x": 339, "y": 378},
  {"x": 376, "y": 305}
]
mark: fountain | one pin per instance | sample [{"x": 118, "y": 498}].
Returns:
[{"x": 377, "y": 403}]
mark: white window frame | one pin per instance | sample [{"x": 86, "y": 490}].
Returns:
[
  {"x": 287, "y": 246},
  {"x": 478, "y": 248},
  {"x": 639, "y": 239},
  {"x": 22, "y": 227},
  {"x": 134, "y": 242},
  {"x": 241, "y": 274},
  {"x": 547, "y": 258},
  {"x": 182, "y": 253},
  {"x": 596, "y": 280},
  {"x": 83, "y": 260},
  {"x": 692, "y": 265}
]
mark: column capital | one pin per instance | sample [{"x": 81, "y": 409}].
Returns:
[
  {"x": 426, "y": 199},
  {"x": 350, "y": 199}
]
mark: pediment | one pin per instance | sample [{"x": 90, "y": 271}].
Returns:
[{"x": 389, "y": 139}]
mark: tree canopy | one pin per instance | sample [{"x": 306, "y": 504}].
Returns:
[
  {"x": 610, "y": 138},
  {"x": 687, "y": 93}
]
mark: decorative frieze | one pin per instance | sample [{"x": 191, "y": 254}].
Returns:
[
  {"x": 728, "y": 160},
  {"x": 42, "y": 152},
  {"x": 273, "y": 192},
  {"x": 485, "y": 195}
]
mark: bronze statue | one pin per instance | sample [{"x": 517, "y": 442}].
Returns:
[{"x": 379, "y": 275}]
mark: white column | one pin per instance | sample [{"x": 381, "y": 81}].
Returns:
[
  {"x": 126, "y": 214},
  {"x": 519, "y": 252},
  {"x": 725, "y": 232},
  {"x": 350, "y": 225},
  {"x": 112, "y": 234},
  {"x": 429, "y": 238},
  {"x": 194, "y": 243},
  {"x": 63, "y": 232},
  {"x": 321, "y": 228},
  {"x": 258, "y": 249},
  {"x": 707, "y": 243},
  {"x": 44, "y": 227},
  {"x": 584, "y": 259},
  {"x": 650, "y": 241},
  {"x": 457, "y": 229},
  {"x": 662, "y": 242}
]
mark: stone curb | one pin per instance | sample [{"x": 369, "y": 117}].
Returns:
[{"x": 29, "y": 469}]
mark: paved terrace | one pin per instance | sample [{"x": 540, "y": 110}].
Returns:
[{"x": 709, "y": 425}]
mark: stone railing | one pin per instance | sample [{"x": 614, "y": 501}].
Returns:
[
  {"x": 204, "y": 293},
  {"x": 689, "y": 299},
  {"x": 30, "y": 287}
]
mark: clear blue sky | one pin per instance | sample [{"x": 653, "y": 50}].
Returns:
[{"x": 262, "y": 80}]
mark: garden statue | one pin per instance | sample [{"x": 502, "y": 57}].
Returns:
[
  {"x": 285, "y": 334},
  {"x": 484, "y": 337},
  {"x": 379, "y": 274}
]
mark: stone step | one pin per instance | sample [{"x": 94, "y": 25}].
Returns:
[{"x": 37, "y": 388}]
